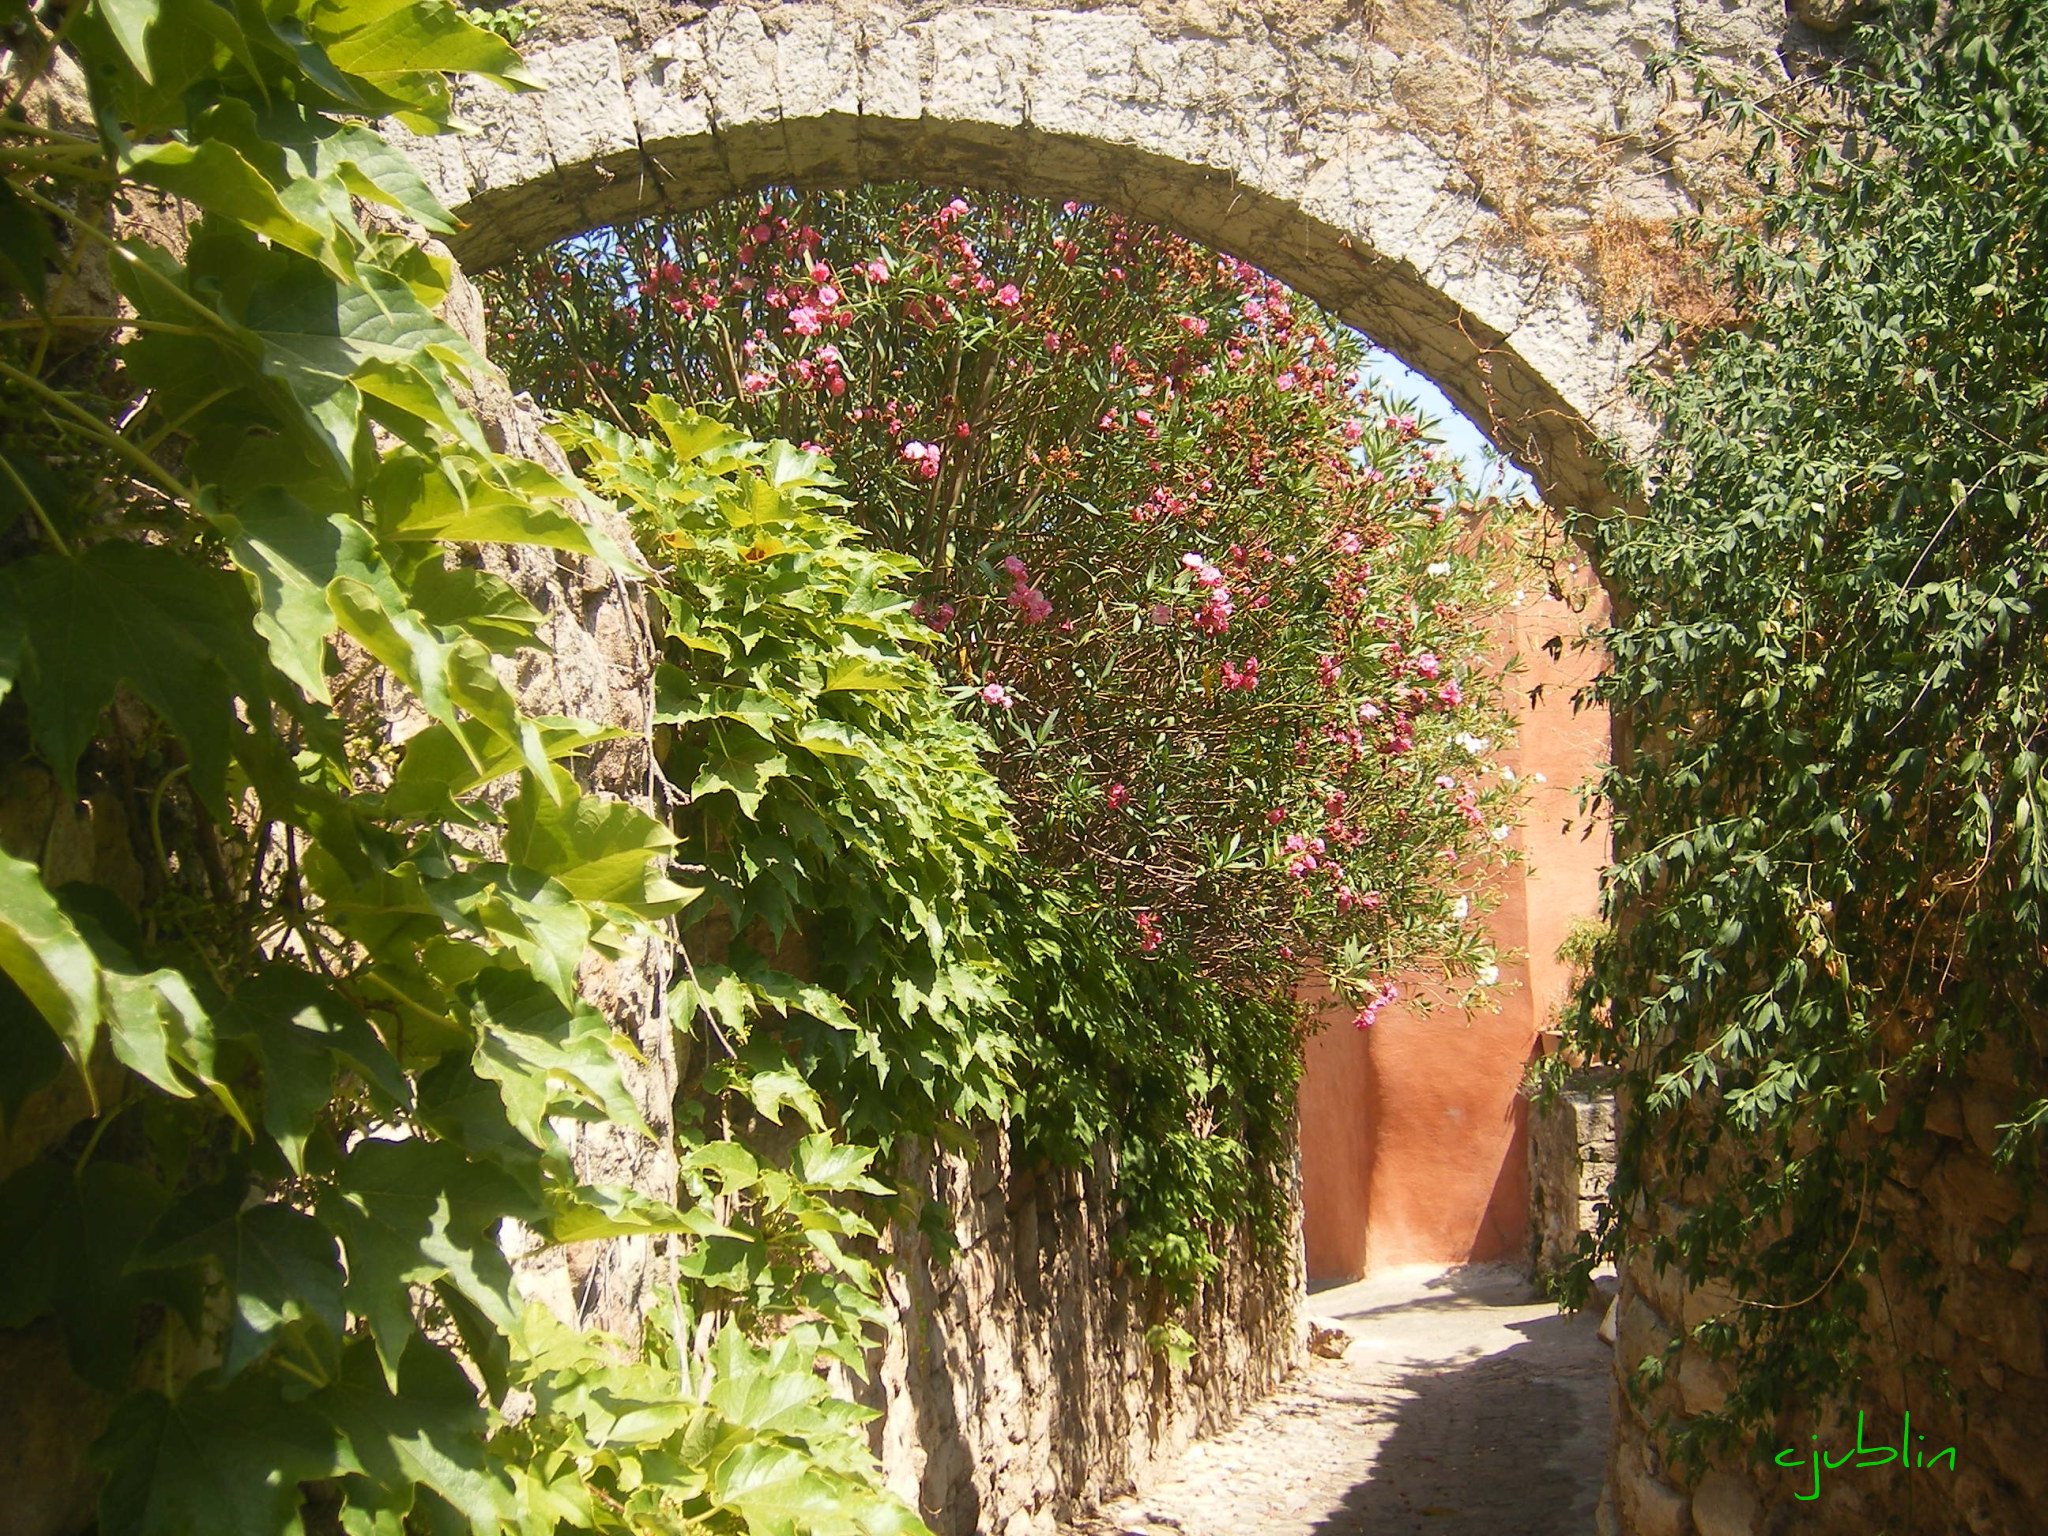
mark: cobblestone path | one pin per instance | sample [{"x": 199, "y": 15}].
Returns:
[{"x": 1464, "y": 1407}]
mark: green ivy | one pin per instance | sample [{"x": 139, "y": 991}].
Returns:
[
  {"x": 281, "y": 1066},
  {"x": 843, "y": 812},
  {"x": 1832, "y": 662}
]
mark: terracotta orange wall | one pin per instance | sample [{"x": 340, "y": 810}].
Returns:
[{"x": 1412, "y": 1144}]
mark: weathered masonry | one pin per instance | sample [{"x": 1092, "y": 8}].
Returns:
[{"x": 1472, "y": 184}]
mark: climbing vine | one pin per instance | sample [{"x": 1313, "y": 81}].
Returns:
[
  {"x": 298, "y": 904},
  {"x": 1831, "y": 904}
]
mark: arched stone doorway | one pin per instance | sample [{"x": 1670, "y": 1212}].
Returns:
[
  {"x": 1445, "y": 177},
  {"x": 1438, "y": 175}
]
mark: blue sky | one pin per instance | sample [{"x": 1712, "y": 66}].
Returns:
[{"x": 1465, "y": 442}]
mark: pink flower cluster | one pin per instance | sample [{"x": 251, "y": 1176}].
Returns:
[
  {"x": 1383, "y": 994},
  {"x": 1241, "y": 679},
  {"x": 925, "y": 456},
  {"x": 937, "y": 616},
  {"x": 1303, "y": 854},
  {"x": 1031, "y": 605},
  {"x": 1213, "y": 617},
  {"x": 1149, "y": 934}
]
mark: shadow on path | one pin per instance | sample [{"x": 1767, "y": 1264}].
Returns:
[
  {"x": 1465, "y": 1406},
  {"x": 1498, "y": 1446}
]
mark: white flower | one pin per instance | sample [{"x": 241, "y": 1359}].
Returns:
[
  {"x": 1518, "y": 599},
  {"x": 1476, "y": 745},
  {"x": 1507, "y": 774},
  {"x": 1538, "y": 778},
  {"x": 1487, "y": 975},
  {"x": 1502, "y": 833},
  {"x": 1439, "y": 567},
  {"x": 1461, "y": 908}
]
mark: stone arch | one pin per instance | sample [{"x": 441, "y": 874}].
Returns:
[{"x": 1430, "y": 176}]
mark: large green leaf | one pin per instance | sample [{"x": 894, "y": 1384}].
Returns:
[
  {"x": 142, "y": 615},
  {"x": 546, "y": 1056},
  {"x": 436, "y": 772},
  {"x": 414, "y": 1212},
  {"x": 428, "y": 1432},
  {"x": 44, "y": 956},
  {"x": 292, "y": 553},
  {"x": 304, "y": 1033},
  {"x": 741, "y": 766},
  {"x": 460, "y": 500},
  {"x": 223, "y": 1460},
  {"x": 215, "y": 177},
  {"x": 386, "y": 42},
  {"x": 280, "y": 1267},
  {"x": 333, "y": 342},
  {"x": 600, "y": 850}
]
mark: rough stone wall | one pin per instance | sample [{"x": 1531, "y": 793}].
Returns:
[
  {"x": 1482, "y": 185},
  {"x": 1984, "y": 1247},
  {"x": 1571, "y": 1163},
  {"x": 1017, "y": 1383}
]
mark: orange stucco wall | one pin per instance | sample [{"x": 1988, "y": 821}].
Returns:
[{"x": 1411, "y": 1132}]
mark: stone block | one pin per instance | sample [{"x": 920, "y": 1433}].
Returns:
[
  {"x": 1724, "y": 1505},
  {"x": 1647, "y": 1505},
  {"x": 1703, "y": 1384}
]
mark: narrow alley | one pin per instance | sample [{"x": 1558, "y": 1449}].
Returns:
[{"x": 1465, "y": 1405}]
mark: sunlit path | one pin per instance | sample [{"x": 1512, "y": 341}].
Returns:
[{"x": 1464, "y": 1407}]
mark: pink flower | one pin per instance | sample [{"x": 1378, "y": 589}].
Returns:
[
  {"x": 1328, "y": 671},
  {"x": 998, "y": 695},
  {"x": 1353, "y": 430},
  {"x": 1007, "y": 296},
  {"x": 1118, "y": 797},
  {"x": 1214, "y": 615},
  {"x": 915, "y": 451},
  {"x": 1016, "y": 569},
  {"x": 804, "y": 320},
  {"x": 1244, "y": 678},
  {"x": 1426, "y": 664},
  {"x": 757, "y": 382},
  {"x": 1148, "y": 931},
  {"x": 1194, "y": 325},
  {"x": 1031, "y": 604},
  {"x": 1450, "y": 695},
  {"x": 876, "y": 271},
  {"x": 1383, "y": 993},
  {"x": 1162, "y": 615},
  {"x": 1275, "y": 816},
  {"x": 1348, "y": 543},
  {"x": 828, "y": 295},
  {"x": 941, "y": 616}
]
